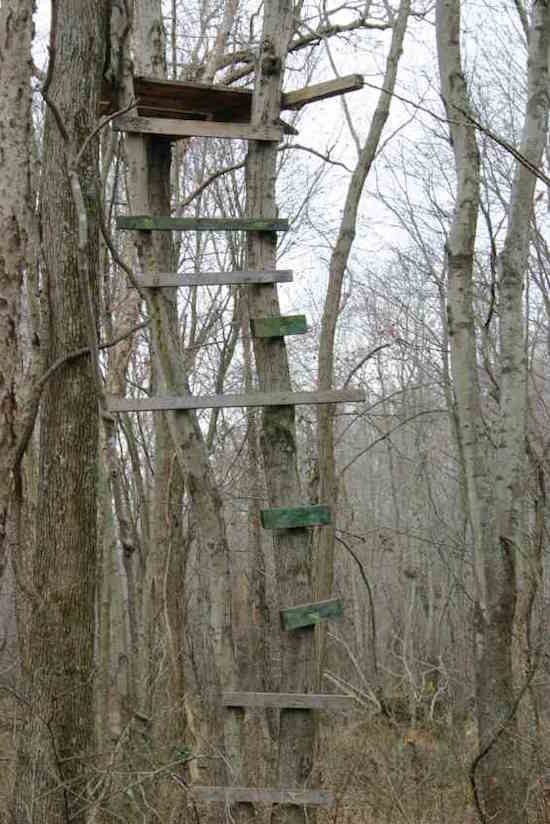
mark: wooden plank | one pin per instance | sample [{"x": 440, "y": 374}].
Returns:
[
  {"x": 308, "y": 615},
  {"x": 158, "y": 403},
  {"x": 277, "y": 327},
  {"x": 287, "y": 700},
  {"x": 148, "y": 223},
  {"x": 177, "y": 128},
  {"x": 283, "y": 517},
  {"x": 156, "y": 279},
  {"x": 233, "y": 795},
  {"x": 184, "y": 96},
  {"x": 322, "y": 91}
]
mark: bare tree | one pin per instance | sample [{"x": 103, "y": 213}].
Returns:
[
  {"x": 495, "y": 476},
  {"x": 58, "y": 744}
]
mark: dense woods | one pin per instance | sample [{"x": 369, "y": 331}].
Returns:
[{"x": 141, "y": 581}]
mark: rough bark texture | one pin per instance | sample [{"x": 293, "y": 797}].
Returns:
[
  {"x": 15, "y": 224},
  {"x": 495, "y": 488},
  {"x": 278, "y": 433},
  {"x": 52, "y": 778},
  {"x": 149, "y": 191}
]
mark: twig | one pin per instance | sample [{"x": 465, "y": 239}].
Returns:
[
  {"x": 371, "y": 599},
  {"x": 77, "y": 353},
  {"x": 101, "y": 125}
]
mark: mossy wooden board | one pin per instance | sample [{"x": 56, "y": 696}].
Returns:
[
  {"x": 163, "y": 223},
  {"x": 233, "y": 795},
  {"x": 292, "y": 517},
  {"x": 308, "y": 615},
  {"x": 277, "y": 327}
]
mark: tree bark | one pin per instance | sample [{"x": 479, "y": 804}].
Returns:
[
  {"x": 496, "y": 483},
  {"x": 292, "y": 548},
  {"x": 16, "y": 228},
  {"x": 149, "y": 193},
  {"x": 52, "y": 780}
]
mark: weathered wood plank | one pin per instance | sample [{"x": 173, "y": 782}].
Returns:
[
  {"x": 233, "y": 795},
  {"x": 156, "y": 279},
  {"x": 283, "y": 517},
  {"x": 287, "y": 700},
  {"x": 148, "y": 223},
  {"x": 278, "y": 326},
  {"x": 321, "y": 91},
  {"x": 177, "y": 128},
  {"x": 307, "y": 615},
  {"x": 159, "y": 403}
]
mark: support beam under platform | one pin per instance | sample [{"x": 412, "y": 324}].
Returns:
[
  {"x": 288, "y": 700},
  {"x": 160, "y": 403},
  {"x": 158, "y": 279},
  {"x": 162, "y": 223},
  {"x": 177, "y": 128},
  {"x": 234, "y": 795}
]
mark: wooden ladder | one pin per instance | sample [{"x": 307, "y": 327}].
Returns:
[{"x": 207, "y": 100}]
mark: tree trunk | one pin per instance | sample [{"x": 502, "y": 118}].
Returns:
[
  {"x": 53, "y": 784},
  {"x": 328, "y": 483},
  {"x": 148, "y": 183},
  {"x": 496, "y": 497},
  {"x": 16, "y": 228},
  {"x": 292, "y": 548}
]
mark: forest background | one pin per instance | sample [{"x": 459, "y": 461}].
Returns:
[{"x": 135, "y": 587}]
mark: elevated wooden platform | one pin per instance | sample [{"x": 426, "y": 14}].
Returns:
[
  {"x": 232, "y": 795},
  {"x": 287, "y": 700},
  {"x": 159, "y": 279},
  {"x": 188, "y": 100},
  {"x": 164, "y": 403}
]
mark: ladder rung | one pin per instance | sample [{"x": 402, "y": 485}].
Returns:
[
  {"x": 278, "y": 327},
  {"x": 162, "y": 223},
  {"x": 283, "y": 517},
  {"x": 156, "y": 279},
  {"x": 233, "y": 795},
  {"x": 160, "y": 403},
  {"x": 308, "y": 615},
  {"x": 175, "y": 128},
  {"x": 288, "y": 700}
]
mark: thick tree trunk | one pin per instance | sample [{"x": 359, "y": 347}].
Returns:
[
  {"x": 149, "y": 192},
  {"x": 292, "y": 548},
  {"x": 16, "y": 214},
  {"x": 52, "y": 779}
]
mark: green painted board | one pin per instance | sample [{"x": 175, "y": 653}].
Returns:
[
  {"x": 277, "y": 326},
  {"x": 147, "y": 223},
  {"x": 284, "y": 517},
  {"x": 308, "y": 615}
]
